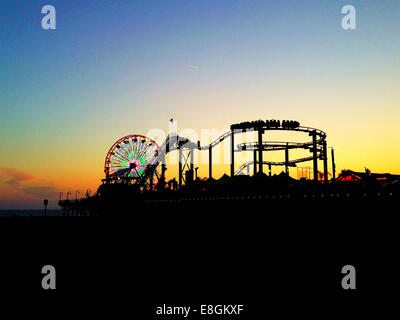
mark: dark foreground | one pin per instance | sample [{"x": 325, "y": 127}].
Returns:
[{"x": 270, "y": 256}]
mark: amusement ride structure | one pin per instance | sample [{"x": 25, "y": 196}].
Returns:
[{"x": 136, "y": 159}]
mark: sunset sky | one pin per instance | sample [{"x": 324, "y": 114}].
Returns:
[{"x": 113, "y": 68}]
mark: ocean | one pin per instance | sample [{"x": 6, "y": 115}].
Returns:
[{"x": 29, "y": 213}]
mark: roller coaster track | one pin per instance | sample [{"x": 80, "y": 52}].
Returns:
[
  {"x": 291, "y": 163},
  {"x": 320, "y": 133},
  {"x": 174, "y": 142},
  {"x": 216, "y": 141},
  {"x": 274, "y": 145},
  {"x": 171, "y": 143}
]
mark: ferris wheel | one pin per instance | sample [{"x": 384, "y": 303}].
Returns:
[{"x": 129, "y": 157}]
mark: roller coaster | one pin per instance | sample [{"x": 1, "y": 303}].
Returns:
[{"x": 136, "y": 159}]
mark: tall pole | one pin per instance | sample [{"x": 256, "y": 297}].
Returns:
[
  {"x": 232, "y": 154},
  {"x": 260, "y": 150},
  {"x": 333, "y": 163},
  {"x": 210, "y": 163},
  {"x": 325, "y": 162}
]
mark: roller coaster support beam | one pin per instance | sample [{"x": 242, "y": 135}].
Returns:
[
  {"x": 151, "y": 180},
  {"x": 255, "y": 161},
  {"x": 325, "y": 161},
  {"x": 232, "y": 154},
  {"x": 190, "y": 173},
  {"x": 163, "y": 167},
  {"x": 210, "y": 163},
  {"x": 287, "y": 159},
  {"x": 270, "y": 170},
  {"x": 192, "y": 159},
  {"x": 260, "y": 150},
  {"x": 161, "y": 181},
  {"x": 180, "y": 166},
  {"x": 315, "y": 155},
  {"x": 333, "y": 163}
]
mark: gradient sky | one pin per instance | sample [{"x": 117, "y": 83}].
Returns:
[{"x": 113, "y": 68}]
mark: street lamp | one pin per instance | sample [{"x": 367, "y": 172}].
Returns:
[{"x": 45, "y": 203}]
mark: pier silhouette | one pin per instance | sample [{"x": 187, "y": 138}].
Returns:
[{"x": 242, "y": 237}]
